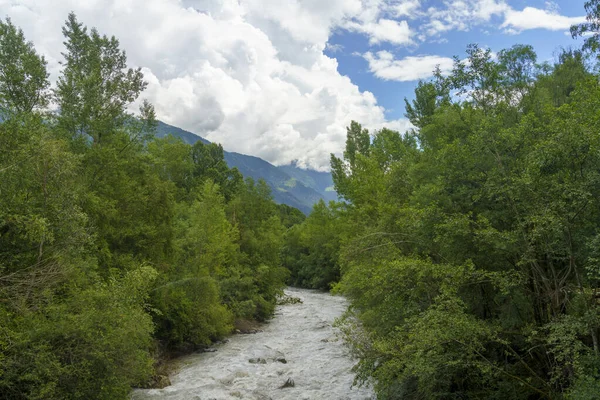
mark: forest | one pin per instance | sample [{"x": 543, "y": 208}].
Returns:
[
  {"x": 468, "y": 247},
  {"x": 116, "y": 248}
]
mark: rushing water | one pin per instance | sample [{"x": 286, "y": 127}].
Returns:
[{"x": 301, "y": 335}]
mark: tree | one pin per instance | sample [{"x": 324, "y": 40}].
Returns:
[
  {"x": 358, "y": 142},
  {"x": 23, "y": 76},
  {"x": 209, "y": 163},
  {"x": 311, "y": 249},
  {"x": 173, "y": 162},
  {"x": 261, "y": 276},
  {"x": 290, "y": 216},
  {"x": 590, "y": 29},
  {"x": 112, "y": 243},
  {"x": 95, "y": 87},
  {"x": 423, "y": 106},
  {"x": 468, "y": 259}
]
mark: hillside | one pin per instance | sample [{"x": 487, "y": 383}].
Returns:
[{"x": 290, "y": 184}]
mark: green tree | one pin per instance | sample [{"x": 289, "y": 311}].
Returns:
[
  {"x": 95, "y": 87},
  {"x": 420, "y": 110},
  {"x": 173, "y": 162},
  {"x": 113, "y": 244},
  {"x": 23, "y": 76},
  {"x": 209, "y": 163},
  {"x": 590, "y": 29},
  {"x": 290, "y": 216},
  {"x": 467, "y": 258},
  {"x": 311, "y": 249},
  {"x": 262, "y": 276}
]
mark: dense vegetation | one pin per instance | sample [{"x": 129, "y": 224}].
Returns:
[
  {"x": 469, "y": 247},
  {"x": 115, "y": 245},
  {"x": 290, "y": 184}
]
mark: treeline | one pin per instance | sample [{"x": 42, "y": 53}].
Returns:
[
  {"x": 114, "y": 245},
  {"x": 469, "y": 247}
]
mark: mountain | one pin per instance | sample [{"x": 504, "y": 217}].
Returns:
[
  {"x": 290, "y": 184},
  {"x": 321, "y": 182},
  {"x": 190, "y": 138}
]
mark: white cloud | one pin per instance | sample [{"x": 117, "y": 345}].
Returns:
[
  {"x": 463, "y": 15},
  {"x": 399, "y": 125},
  {"x": 387, "y": 30},
  {"x": 384, "y": 30},
  {"x": 334, "y": 48},
  {"x": 246, "y": 74},
  {"x": 535, "y": 18},
  {"x": 406, "y": 8},
  {"x": 385, "y": 66},
  {"x": 252, "y": 74},
  {"x": 485, "y": 9}
]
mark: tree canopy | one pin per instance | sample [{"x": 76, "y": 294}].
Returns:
[
  {"x": 467, "y": 246},
  {"x": 115, "y": 247}
]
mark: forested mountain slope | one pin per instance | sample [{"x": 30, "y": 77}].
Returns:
[{"x": 290, "y": 184}]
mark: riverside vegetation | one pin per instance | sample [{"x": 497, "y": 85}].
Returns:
[
  {"x": 468, "y": 247},
  {"x": 115, "y": 246}
]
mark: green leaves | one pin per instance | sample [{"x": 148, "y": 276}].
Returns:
[
  {"x": 95, "y": 87},
  {"x": 113, "y": 244},
  {"x": 311, "y": 249},
  {"x": 470, "y": 260},
  {"x": 23, "y": 76},
  {"x": 92, "y": 343},
  {"x": 590, "y": 29}
]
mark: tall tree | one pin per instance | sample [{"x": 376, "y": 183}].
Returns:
[
  {"x": 209, "y": 163},
  {"x": 23, "y": 76},
  {"x": 472, "y": 271},
  {"x": 95, "y": 87},
  {"x": 590, "y": 30}
]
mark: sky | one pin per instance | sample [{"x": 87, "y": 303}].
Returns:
[{"x": 281, "y": 79}]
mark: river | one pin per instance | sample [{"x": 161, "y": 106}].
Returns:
[{"x": 299, "y": 344}]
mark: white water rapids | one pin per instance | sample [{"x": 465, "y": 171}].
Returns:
[{"x": 300, "y": 334}]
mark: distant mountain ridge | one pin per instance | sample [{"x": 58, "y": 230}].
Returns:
[{"x": 290, "y": 184}]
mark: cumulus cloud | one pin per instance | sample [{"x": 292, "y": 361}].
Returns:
[
  {"x": 252, "y": 74},
  {"x": 384, "y": 65},
  {"x": 379, "y": 20},
  {"x": 406, "y": 8},
  {"x": 535, "y": 18},
  {"x": 249, "y": 75},
  {"x": 463, "y": 15},
  {"x": 384, "y": 30}
]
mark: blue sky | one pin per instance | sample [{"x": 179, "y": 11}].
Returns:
[
  {"x": 282, "y": 79},
  {"x": 347, "y": 47}
]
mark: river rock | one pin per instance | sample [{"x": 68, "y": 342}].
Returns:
[
  {"x": 161, "y": 381},
  {"x": 287, "y": 384},
  {"x": 258, "y": 360}
]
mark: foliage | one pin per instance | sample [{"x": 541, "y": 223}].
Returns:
[
  {"x": 114, "y": 243},
  {"x": 311, "y": 249},
  {"x": 96, "y": 86},
  {"x": 24, "y": 80},
  {"x": 290, "y": 216},
  {"x": 468, "y": 247},
  {"x": 590, "y": 29},
  {"x": 254, "y": 292},
  {"x": 92, "y": 344}
]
